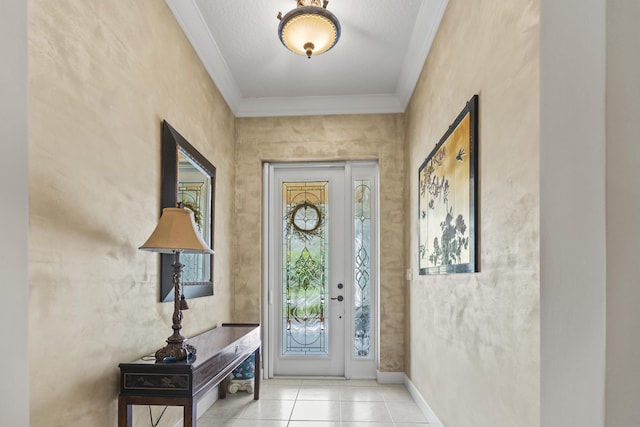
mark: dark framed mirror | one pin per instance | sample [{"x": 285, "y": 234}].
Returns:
[{"x": 188, "y": 178}]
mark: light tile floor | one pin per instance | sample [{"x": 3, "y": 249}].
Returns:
[{"x": 317, "y": 403}]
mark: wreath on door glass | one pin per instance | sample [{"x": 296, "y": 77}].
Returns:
[{"x": 305, "y": 220}]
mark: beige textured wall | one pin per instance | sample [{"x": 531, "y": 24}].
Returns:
[
  {"x": 324, "y": 138},
  {"x": 474, "y": 338},
  {"x": 102, "y": 76}
]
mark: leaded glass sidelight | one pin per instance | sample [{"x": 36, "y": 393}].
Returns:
[
  {"x": 304, "y": 269},
  {"x": 362, "y": 268}
]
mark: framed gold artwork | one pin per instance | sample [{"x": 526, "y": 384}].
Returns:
[{"x": 448, "y": 199}]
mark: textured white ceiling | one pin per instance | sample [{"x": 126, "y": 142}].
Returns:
[{"x": 372, "y": 69}]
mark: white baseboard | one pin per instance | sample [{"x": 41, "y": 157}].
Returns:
[
  {"x": 203, "y": 404},
  {"x": 391, "y": 377},
  {"x": 431, "y": 416}
]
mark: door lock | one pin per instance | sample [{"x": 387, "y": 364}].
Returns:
[{"x": 339, "y": 298}]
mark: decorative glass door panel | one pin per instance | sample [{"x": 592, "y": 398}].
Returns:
[
  {"x": 304, "y": 268},
  {"x": 321, "y": 257},
  {"x": 362, "y": 268}
]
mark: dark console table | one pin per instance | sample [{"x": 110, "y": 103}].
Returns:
[{"x": 219, "y": 351}]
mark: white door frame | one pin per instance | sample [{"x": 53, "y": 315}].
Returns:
[{"x": 354, "y": 367}]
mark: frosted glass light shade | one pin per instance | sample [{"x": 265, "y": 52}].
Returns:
[
  {"x": 176, "y": 232},
  {"x": 309, "y": 30}
]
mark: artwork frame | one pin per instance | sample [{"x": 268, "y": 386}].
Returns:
[{"x": 448, "y": 199}]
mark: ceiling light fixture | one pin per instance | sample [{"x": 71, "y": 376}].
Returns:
[{"x": 309, "y": 29}]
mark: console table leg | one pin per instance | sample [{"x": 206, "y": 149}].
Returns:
[
  {"x": 190, "y": 414},
  {"x": 124, "y": 413},
  {"x": 257, "y": 375},
  {"x": 222, "y": 388}
]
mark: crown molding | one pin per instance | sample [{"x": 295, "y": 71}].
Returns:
[{"x": 424, "y": 32}]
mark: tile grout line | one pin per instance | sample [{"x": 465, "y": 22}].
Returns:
[
  {"x": 295, "y": 402},
  {"x": 386, "y": 405}
]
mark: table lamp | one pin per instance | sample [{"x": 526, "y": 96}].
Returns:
[{"x": 175, "y": 233}]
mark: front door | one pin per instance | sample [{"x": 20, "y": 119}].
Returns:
[{"x": 315, "y": 302}]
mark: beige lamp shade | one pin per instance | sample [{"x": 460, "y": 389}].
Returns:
[{"x": 176, "y": 232}]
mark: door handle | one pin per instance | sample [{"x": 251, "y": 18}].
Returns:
[{"x": 339, "y": 298}]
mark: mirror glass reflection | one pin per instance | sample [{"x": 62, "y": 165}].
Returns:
[{"x": 194, "y": 194}]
